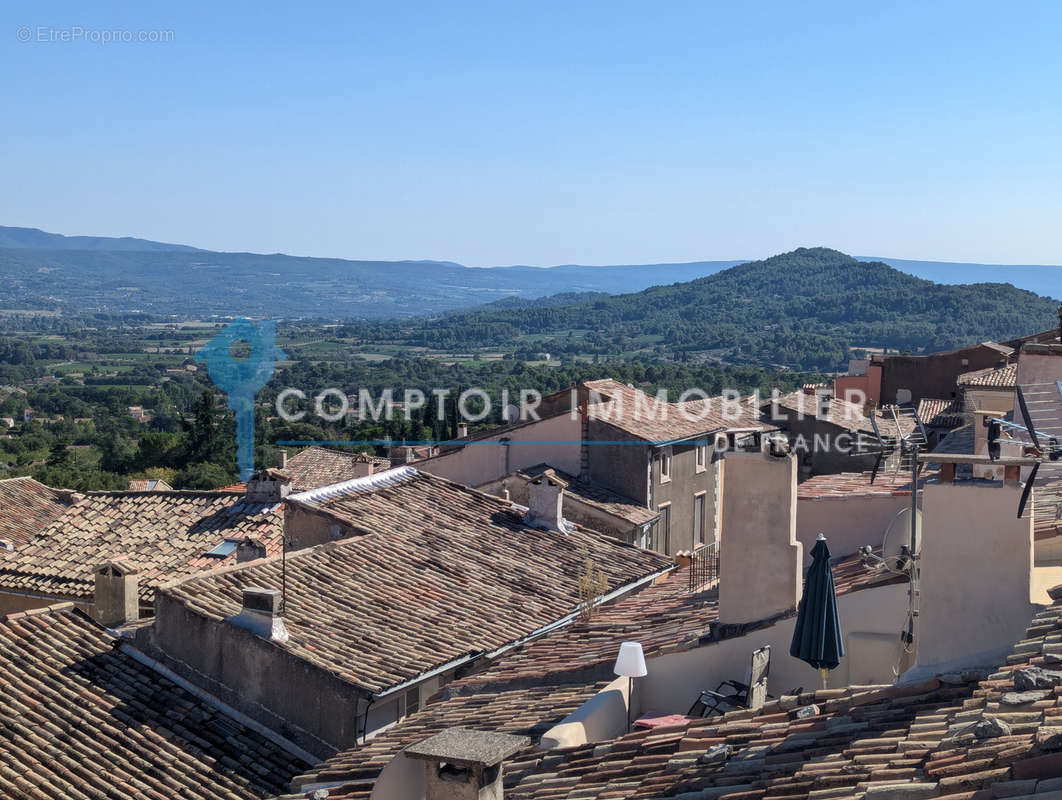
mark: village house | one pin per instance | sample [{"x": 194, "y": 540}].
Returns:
[
  {"x": 394, "y": 584},
  {"x": 832, "y": 435},
  {"x": 316, "y": 466},
  {"x": 85, "y": 715},
  {"x": 621, "y": 442},
  {"x": 29, "y": 507},
  {"x": 108, "y": 551}
]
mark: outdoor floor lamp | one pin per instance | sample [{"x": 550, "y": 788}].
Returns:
[{"x": 630, "y": 663}]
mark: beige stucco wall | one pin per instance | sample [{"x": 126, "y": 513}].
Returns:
[
  {"x": 602, "y": 717},
  {"x": 487, "y": 459},
  {"x": 976, "y": 567},
  {"x": 847, "y": 522},
  {"x": 870, "y": 620},
  {"x": 760, "y": 560},
  {"x": 988, "y": 400}
]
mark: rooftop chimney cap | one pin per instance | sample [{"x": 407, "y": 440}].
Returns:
[
  {"x": 261, "y": 614},
  {"x": 465, "y": 747},
  {"x": 118, "y": 565},
  {"x": 551, "y": 478}
]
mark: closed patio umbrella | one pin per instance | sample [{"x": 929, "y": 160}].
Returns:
[{"x": 817, "y": 635}]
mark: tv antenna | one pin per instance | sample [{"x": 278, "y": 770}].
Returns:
[
  {"x": 894, "y": 441},
  {"x": 1044, "y": 444},
  {"x": 896, "y": 555}
]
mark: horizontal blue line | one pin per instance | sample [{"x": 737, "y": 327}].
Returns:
[{"x": 463, "y": 442}]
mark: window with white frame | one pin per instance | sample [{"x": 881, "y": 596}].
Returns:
[
  {"x": 665, "y": 465},
  {"x": 663, "y": 541},
  {"x": 700, "y": 514},
  {"x": 702, "y": 457}
]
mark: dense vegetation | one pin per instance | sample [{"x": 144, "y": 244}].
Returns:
[
  {"x": 79, "y": 378},
  {"x": 806, "y": 309}
]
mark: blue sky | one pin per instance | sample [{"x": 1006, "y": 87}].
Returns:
[{"x": 543, "y": 132}]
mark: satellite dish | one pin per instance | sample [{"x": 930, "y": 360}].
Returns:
[
  {"x": 511, "y": 413},
  {"x": 896, "y": 545}
]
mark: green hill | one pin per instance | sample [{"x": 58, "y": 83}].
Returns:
[{"x": 801, "y": 309}]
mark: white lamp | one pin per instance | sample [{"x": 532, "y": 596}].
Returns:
[{"x": 630, "y": 663}]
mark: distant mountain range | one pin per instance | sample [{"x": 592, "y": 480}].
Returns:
[
  {"x": 805, "y": 309},
  {"x": 77, "y": 274}
]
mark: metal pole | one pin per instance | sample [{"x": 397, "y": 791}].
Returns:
[{"x": 630, "y": 700}]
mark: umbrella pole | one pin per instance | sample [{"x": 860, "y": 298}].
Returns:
[{"x": 825, "y": 673}]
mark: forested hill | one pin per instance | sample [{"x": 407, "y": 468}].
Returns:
[{"x": 801, "y": 309}]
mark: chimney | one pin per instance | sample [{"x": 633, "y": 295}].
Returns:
[
  {"x": 268, "y": 486},
  {"x": 546, "y": 501},
  {"x": 462, "y": 430},
  {"x": 261, "y": 614},
  {"x": 977, "y": 592},
  {"x": 283, "y": 459},
  {"x": 463, "y": 764},
  {"x": 250, "y": 549},
  {"x": 364, "y": 464},
  {"x": 760, "y": 559},
  {"x": 117, "y": 597}
]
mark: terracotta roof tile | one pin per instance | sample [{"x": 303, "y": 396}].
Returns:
[
  {"x": 598, "y": 496},
  {"x": 81, "y": 718},
  {"x": 149, "y": 485},
  {"x": 319, "y": 466},
  {"x": 839, "y": 412},
  {"x": 857, "y": 484},
  {"x": 998, "y": 377},
  {"x": 165, "y": 535},
  {"x": 921, "y": 735},
  {"x": 637, "y": 413},
  {"x": 531, "y": 688},
  {"x": 938, "y": 413},
  {"x": 434, "y": 571},
  {"x": 28, "y": 507}
]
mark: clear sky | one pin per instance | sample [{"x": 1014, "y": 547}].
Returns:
[{"x": 542, "y": 132}]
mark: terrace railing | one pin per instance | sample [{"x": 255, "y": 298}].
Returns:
[{"x": 704, "y": 566}]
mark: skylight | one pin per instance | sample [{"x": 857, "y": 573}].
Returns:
[{"x": 224, "y": 549}]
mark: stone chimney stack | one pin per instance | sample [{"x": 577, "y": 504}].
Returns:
[
  {"x": 546, "y": 501},
  {"x": 117, "y": 597},
  {"x": 250, "y": 549},
  {"x": 463, "y": 764},
  {"x": 462, "y": 430},
  {"x": 976, "y": 568},
  {"x": 364, "y": 464},
  {"x": 283, "y": 459},
  {"x": 760, "y": 559},
  {"x": 268, "y": 486},
  {"x": 261, "y": 614}
]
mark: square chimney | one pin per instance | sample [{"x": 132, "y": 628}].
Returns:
[
  {"x": 546, "y": 501},
  {"x": 364, "y": 464},
  {"x": 116, "y": 600},
  {"x": 268, "y": 487},
  {"x": 464, "y": 764},
  {"x": 261, "y": 614}
]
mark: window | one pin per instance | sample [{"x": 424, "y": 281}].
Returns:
[
  {"x": 665, "y": 529},
  {"x": 700, "y": 509},
  {"x": 665, "y": 465},
  {"x": 223, "y": 550},
  {"x": 702, "y": 457},
  {"x": 409, "y": 702}
]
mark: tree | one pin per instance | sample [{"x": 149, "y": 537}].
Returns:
[{"x": 202, "y": 476}]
